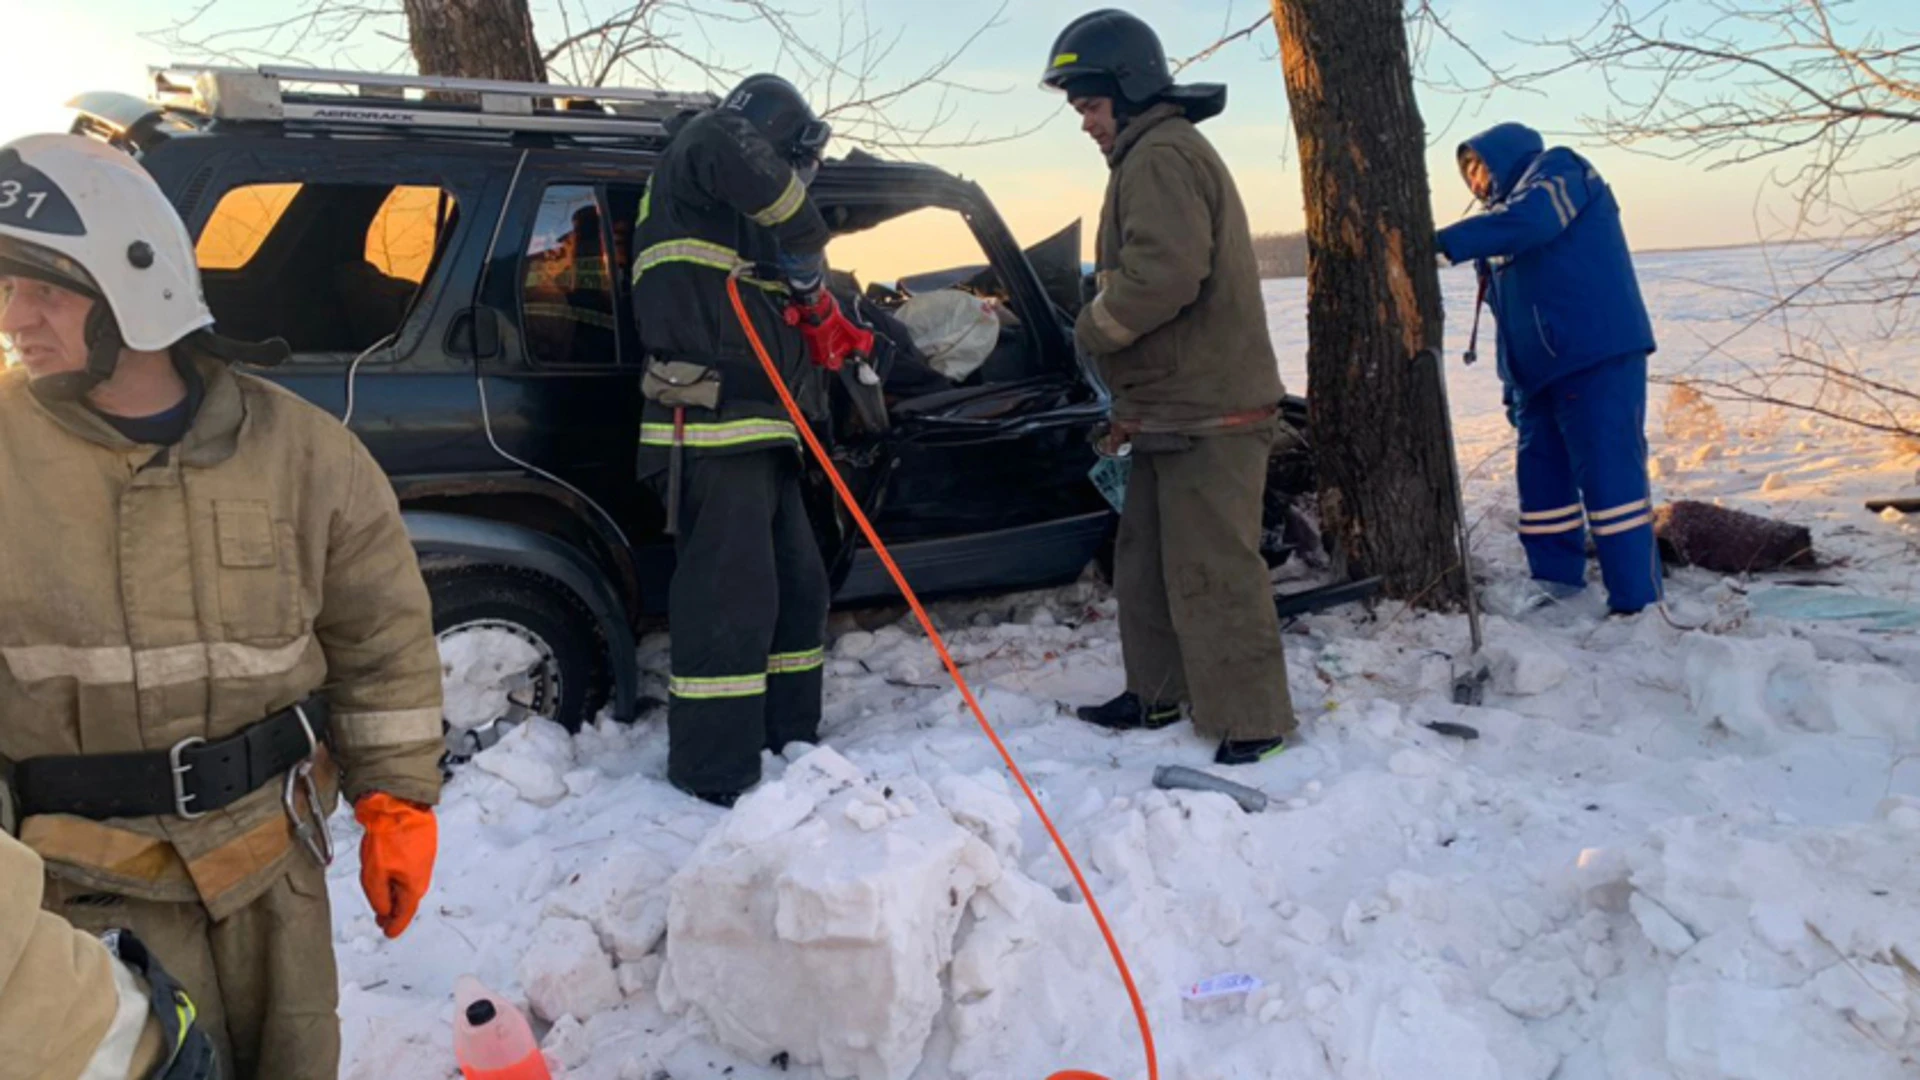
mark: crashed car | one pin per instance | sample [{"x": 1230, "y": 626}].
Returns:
[{"x": 449, "y": 262}]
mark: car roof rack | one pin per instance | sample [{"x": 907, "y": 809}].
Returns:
[{"x": 327, "y": 98}]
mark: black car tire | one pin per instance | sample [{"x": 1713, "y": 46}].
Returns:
[{"x": 539, "y": 609}]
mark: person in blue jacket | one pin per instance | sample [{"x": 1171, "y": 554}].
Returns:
[{"x": 1573, "y": 341}]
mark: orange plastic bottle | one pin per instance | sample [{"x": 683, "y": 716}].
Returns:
[{"x": 491, "y": 1039}]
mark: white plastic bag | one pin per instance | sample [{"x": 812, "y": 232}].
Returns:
[{"x": 955, "y": 330}]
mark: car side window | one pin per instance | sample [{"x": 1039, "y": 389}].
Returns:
[
  {"x": 567, "y": 306},
  {"x": 331, "y": 268}
]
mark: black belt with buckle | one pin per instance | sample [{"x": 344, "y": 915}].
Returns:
[{"x": 193, "y": 778}]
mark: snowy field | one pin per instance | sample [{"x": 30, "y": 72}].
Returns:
[{"x": 1672, "y": 854}]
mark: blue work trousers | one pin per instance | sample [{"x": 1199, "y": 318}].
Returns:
[{"x": 1583, "y": 467}]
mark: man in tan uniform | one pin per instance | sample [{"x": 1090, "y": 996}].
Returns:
[
  {"x": 73, "y": 1007},
  {"x": 1179, "y": 333},
  {"x": 211, "y": 621}
]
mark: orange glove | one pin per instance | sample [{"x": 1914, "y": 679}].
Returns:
[{"x": 396, "y": 857}]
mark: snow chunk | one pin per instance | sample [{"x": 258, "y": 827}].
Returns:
[
  {"x": 1419, "y": 896},
  {"x": 567, "y": 1045},
  {"x": 1759, "y": 688},
  {"x": 624, "y": 899},
  {"x": 639, "y": 978},
  {"x": 855, "y": 645},
  {"x": 581, "y": 781},
  {"x": 866, "y": 816},
  {"x": 985, "y": 807},
  {"x": 1524, "y": 668},
  {"x": 1867, "y": 990},
  {"x": 1597, "y": 961},
  {"x": 392, "y": 1039},
  {"x": 1781, "y": 926},
  {"x": 566, "y": 973},
  {"x": 795, "y": 928},
  {"x": 1537, "y": 991},
  {"x": 478, "y": 670},
  {"x": 1661, "y": 928},
  {"x": 1416, "y": 1030},
  {"x": 1901, "y": 812},
  {"x": 1311, "y": 927},
  {"x": 1523, "y": 917},
  {"x": 535, "y": 758}
]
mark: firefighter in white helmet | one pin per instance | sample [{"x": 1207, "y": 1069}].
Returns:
[{"x": 211, "y": 621}]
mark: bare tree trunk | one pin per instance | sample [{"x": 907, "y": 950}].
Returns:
[
  {"x": 478, "y": 39},
  {"x": 1373, "y": 295}
]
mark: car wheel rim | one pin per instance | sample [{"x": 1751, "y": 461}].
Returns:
[{"x": 496, "y": 675}]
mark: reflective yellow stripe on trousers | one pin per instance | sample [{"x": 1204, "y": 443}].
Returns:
[
  {"x": 716, "y": 689},
  {"x": 796, "y": 663},
  {"x": 693, "y": 688}
]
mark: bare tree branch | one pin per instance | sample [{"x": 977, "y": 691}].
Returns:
[
  {"x": 1832, "y": 104},
  {"x": 854, "y": 75},
  {"x": 1225, "y": 40},
  {"x": 1425, "y": 23}
]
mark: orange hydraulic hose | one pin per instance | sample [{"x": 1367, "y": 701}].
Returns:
[{"x": 953, "y": 669}]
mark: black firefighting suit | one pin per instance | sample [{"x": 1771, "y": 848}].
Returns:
[{"x": 748, "y": 602}]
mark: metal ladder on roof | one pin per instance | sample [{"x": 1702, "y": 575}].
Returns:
[{"x": 332, "y": 98}]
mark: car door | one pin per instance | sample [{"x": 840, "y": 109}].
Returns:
[
  {"x": 562, "y": 385},
  {"x": 359, "y": 259},
  {"x": 984, "y": 487}
]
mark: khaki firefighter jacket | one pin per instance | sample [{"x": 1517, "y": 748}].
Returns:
[
  {"x": 68, "y": 1010},
  {"x": 1179, "y": 328},
  {"x": 150, "y": 595}
]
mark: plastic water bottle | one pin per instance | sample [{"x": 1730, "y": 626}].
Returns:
[{"x": 491, "y": 1039}]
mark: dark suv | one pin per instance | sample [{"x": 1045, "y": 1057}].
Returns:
[{"x": 451, "y": 274}]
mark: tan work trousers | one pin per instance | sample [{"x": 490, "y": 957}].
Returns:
[
  {"x": 263, "y": 980},
  {"x": 1197, "y": 622}
]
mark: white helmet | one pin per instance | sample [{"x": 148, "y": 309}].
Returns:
[{"x": 87, "y": 217}]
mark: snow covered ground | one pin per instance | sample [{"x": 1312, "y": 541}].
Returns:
[{"x": 1671, "y": 854}]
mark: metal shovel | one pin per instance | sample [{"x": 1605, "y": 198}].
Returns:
[{"x": 1470, "y": 679}]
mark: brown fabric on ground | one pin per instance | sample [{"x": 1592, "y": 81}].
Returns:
[{"x": 1729, "y": 541}]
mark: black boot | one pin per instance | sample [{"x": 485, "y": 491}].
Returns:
[
  {"x": 1248, "y": 751},
  {"x": 722, "y": 799},
  {"x": 1128, "y": 713}
]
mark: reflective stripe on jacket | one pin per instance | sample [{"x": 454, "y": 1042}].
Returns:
[
  {"x": 720, "y": 200},
  {"x": 1561, "y": 284}
]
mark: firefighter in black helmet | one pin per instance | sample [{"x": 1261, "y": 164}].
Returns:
[
  {"x": 748, "y": 602},
  {"x": 1178, "y": 330}
]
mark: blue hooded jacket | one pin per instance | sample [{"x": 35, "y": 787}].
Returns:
[{"x": 1561, "y": 283}]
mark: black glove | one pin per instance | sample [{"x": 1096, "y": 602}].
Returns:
[{"x": 189, "y": 1051}]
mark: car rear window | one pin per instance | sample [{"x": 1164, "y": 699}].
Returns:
[
  {"x": 332, "y": 268},
  {"x": 240, "y": 224},
  {"x": 399, "y": 240}
]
